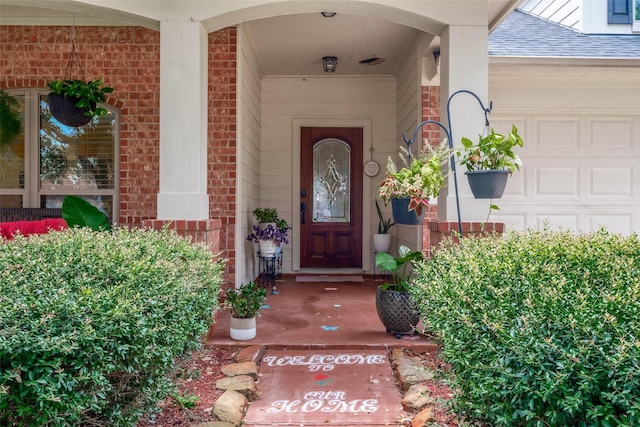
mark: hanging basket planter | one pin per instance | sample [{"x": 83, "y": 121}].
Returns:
[
  {"x": 402, "y": 214},
  {"x": 64, "y": 109},
  {"x": 488, "y": 184}
]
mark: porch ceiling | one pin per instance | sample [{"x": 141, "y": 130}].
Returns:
[{"x": 288, "y": 44}]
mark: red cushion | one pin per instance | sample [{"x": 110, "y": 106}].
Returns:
[{"x": 8, "y": 230}]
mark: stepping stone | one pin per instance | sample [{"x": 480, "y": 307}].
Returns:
[{"x": 325, "y": 387}]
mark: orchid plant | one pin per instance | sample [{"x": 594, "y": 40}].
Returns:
[{"x": 420, "y": 178}]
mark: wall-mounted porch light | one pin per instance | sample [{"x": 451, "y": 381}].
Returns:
[{"x": 329, "y": 64}]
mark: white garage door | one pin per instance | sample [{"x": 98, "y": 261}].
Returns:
[{"x": 581, "y": 159}]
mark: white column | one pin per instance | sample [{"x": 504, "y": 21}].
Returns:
[
  {"x": 464, "y": 65},
  {"x": 183, "y": 121}
]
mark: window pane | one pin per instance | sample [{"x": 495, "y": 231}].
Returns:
[
  {"x": 77, "y": 161},
  {"x": 12, "y": 156},
  {"x": 10, "y": 201},
  {"x": 331, "y": 181}
]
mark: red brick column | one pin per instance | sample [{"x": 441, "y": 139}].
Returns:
[
  {"x": 203, "y": 230},
  {"x": 440, "y": 230}
]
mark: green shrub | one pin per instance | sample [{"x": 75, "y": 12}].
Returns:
[
  {"x": 541, "y": 328},
  {"x": 91, "y": 322}
]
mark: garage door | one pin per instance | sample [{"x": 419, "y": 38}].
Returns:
[{"x": 580, "y": 172}]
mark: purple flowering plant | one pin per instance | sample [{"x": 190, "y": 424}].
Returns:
[{"x": 269, "y": 232}]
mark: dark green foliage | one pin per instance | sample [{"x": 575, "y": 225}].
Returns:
[
  {"x": 384, "y": 225},
  {"x": 494, "y": 151},
  {"x": 80, "y": 213},
  {"x": 400, "y": 267},
  {"x": 87, "y": 92},
  {"x": 540, "y": 328},
  {"x": 10, "y": 120},
  {"x": 91, "y": 322},
  {"x": 245, "y": 302}
]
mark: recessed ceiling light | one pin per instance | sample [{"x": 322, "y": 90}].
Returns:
[
  {"x": 374, "y": 60},
  {"x": 328, "y": 14}
]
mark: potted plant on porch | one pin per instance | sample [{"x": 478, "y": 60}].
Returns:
[
  {"x": 409, "y": 188},
  {"x": 382, "y": 239},
  {"x": 270, "y": 232},
  {"x": 490, "y": 162},
  {"x": 74, "y": 102},
  {"x": 394, "y": 303},
  {"x": 244, "y": 304}
]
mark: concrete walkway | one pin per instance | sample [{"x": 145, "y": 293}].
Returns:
[
  {"x": 327, "y": 357},
  {"x": 320, "y": 315},
  {"x": 327, "y": 387}
]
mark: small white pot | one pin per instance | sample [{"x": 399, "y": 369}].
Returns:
[
  {"x": 267, "y": 248},
  {"x": 381, "y": 242},
  {"x": 242, "y": 329}
]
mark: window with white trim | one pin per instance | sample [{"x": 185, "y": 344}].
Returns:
[{"x": 49, "y": 160}]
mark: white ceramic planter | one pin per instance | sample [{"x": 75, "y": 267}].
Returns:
[
  {"x": 242, "y": 329},
  {"x": 267, "y": 248},
  {"x": 381, "y": 242}
]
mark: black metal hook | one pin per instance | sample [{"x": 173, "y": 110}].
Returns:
[{"x": 449, "y": 134}]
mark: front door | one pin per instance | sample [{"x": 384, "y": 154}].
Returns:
[{"x": 331, "y": 197}]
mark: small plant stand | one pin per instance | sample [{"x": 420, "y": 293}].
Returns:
[{"x": 270, "y": 270}]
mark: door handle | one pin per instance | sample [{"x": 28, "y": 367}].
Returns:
[{"x": 303, "y": 209}]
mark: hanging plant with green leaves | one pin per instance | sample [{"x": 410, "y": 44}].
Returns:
[
  {"x": 74, "y": 101},
  {"x": 86, "y": 94}
]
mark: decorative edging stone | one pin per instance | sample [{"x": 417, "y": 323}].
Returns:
[
  {"x": 240, "y": 387},
  {"x": 410, "y": 373}
]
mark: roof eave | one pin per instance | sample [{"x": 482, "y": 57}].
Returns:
[{"x": 564, "y": 60}]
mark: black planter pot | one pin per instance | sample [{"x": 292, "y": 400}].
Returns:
[
  {"x": 396, "y": 310},
  {"x": 488, "y": 184},
  {"x": 64, "y": 109},
  {"x": 402, "y": 214}
]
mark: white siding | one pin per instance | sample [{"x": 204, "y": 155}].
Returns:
[
  {"x": 287, "y": 103},
  {"x": 586, "y": 16},
  {"x": 563, "y": 12},
  {"x": 409, "y": 99},
  {"x": 582, "y": 147},
  {"x": 249, "y": 157}
]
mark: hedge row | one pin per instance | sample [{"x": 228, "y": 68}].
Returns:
[
  {"x": 541, "y": 328},
  {"x": 90, "y": 322}
]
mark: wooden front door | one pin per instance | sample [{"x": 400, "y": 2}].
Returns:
[{"x": 331, "y": 197}]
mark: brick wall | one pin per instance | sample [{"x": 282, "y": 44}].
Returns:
[
  {"x": 128, "y": 59},
  {"x": 430, "y": 133},
  {"x": 222, "y": 140},
  {"x": 442, "y": 231}
]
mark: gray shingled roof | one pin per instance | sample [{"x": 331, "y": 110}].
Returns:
[{"x": 524, "y": 35}]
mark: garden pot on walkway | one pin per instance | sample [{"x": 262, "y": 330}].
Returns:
[
  {"x": 242, "y": 329},
  {"x": 396, "y": 310}
]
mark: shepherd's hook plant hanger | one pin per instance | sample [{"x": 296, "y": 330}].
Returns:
[{"x": 449, "y": 134}]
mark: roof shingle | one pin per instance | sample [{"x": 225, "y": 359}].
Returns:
[{"x": 524, "y": 35}]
